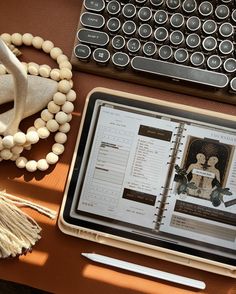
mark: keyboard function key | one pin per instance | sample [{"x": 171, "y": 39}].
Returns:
[
  {"x": 120, "y": 59},
  {"x": 226, "y": 30},
  {"x": 129, "y": 27},
  {"x": 189, "y": 6},
  {"x": 181, "y": 55},
  {"x": 129, "y": 10},
  {"x": 149, "y": 48},
  {"x": 82, "y": 51},
  {"x": 214, "y": 62},
  {"x": 230, "y": 65},
  {"x": 145, "y": 31},
  {"x": 113, "y": 7},
  {"x": 92, "y": 20},
  {"x": 113, "y": 24},
  {"x": 133, "y": 45},
  {"x": 205, "y": 8},
  {"x": 118, "y": 42},
  {"x": 101, "y": 55},
  {"x": 145, "y": 13},
  {"x": 92, "y": 37},
  {"x": 94, "y": 5}
]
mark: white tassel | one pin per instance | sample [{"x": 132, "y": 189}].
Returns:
[{"x": 18, "y": 231}]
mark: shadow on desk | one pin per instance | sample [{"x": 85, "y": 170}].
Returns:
[{"x": 13, "y": 288}]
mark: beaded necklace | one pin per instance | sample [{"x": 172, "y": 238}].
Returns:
[{"x": 53, "y": 119}]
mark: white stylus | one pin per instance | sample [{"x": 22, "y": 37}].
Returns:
[{"x": 145, "y": 270}]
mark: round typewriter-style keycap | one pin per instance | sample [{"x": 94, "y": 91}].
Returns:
[
  {"x": 101, "y": 55},
  {"x": 205, "y": 8},
  {"x": 82, "y": 51},
  {"x": 214, "y": 62},
  {"x": 129, "y": 10},
  {"x": 209, "y": 27},
  {"x": 227, "y": 1},
  {"x": 156, "y": 2},
  {"x": 129, "y": 27},
  {"x": 113, "y": 7},
  {"x": 160, "y": 17},
  {"x": 176, "y": 37},
  {"x": 193, "y": 40},
  {"x": 92, "y": 20},
  {"x": 181, "y": 55},
  {"x": 133, "y": 45},
  {"x": 233, "y": 84},
  {"x": 226, "y": 30},
  {"x": 149, "y": 48},
  {"x": 193, "y": 23},
  {"x": 140, "y": 1},
  {"x": 177, "y": 20},
  {"x": 226, "y": 47},
  {"x": 189, "y": 6},
  {"x": 161, "y": 34},
  {"x": 145, "y": 30},
  {"x": 209, "y": 43},
  {"x": 120, "y": 59},
  {"x": 118, "y": 42},
  {"x": 222, "y": 11},
  {"x": 92, "y": 5},
  {"x": 165, "y": 52},
  {"x": 173, "y": 4},
  {"x": 145, "y": 13},
  {"x": 233, "y": 15},
  {"x": 113, "y": 24},
  {"x": 230, "y": 65},
  {"x": 197, "y": 58}
]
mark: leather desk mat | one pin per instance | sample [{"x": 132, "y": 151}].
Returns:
[{"x": 55, "y": 265}]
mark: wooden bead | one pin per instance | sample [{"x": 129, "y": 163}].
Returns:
[
  {"x": 3, "y": 70},
  {"x": 46, "y": 115},
  {"x": 19, "y": 138},
  {"x": 65, "y": 64},
  {"x": 52, "y": 125},
  {"x": 58, "y": 149},
  {"x": 64, "y": 86},
  {"x": 1, "y": 146},
  {"x": 69, "y": 117},
  {"x": 60, "y": 138},
  {"x": 65, "y": 128},
  {"x": 47, "y": 46},
  {"x": 53, "y": 107},
  {"x": 17, "y": 149},
  {"x": 33, "y": 68},
  {"x": 37, "y": 42},
  {"x": 67, "y": 107},
  {"x": 65, "y": 73},
  {"x": 14, "y": 157},
  {"x": 27, "y": 39},
  {"x": 52, "y": 158},
  {"x": 5, "y": 154},
  {"x": 6, "y": 38},
  {"x": 42, "y": 164},
  {"x": 44, "y": 71},
  {"x": 61, "y": 117},
  {"x": 16, "y": 39},
  {"x": 8, "y": 141},
  {"x": 21, "y": 162},
  {"x": 62, "y": 58},
  {"x": 31, "y": 166},
  {"x": 31, "y": 129},
  {"x": 71, "y": 96},
  {"x": 59, "y": 98},
  {"x": 39, "y": 123},
  {"x": 43, "y": 132},
  {"x": 32, "y": 137},
  {"x": 55, "y": 52},
  {"x": 55, "y": 74}
]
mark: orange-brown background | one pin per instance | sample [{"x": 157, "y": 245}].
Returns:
[{"x": 55, "y": 264}]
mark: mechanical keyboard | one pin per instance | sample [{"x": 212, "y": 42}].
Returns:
[{"x": 185, "y": 46}]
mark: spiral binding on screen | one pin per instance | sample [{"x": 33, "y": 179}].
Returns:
[{"x": 175, "y": 149}]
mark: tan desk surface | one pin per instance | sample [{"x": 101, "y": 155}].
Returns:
[{"x": 55, "y": 264}]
